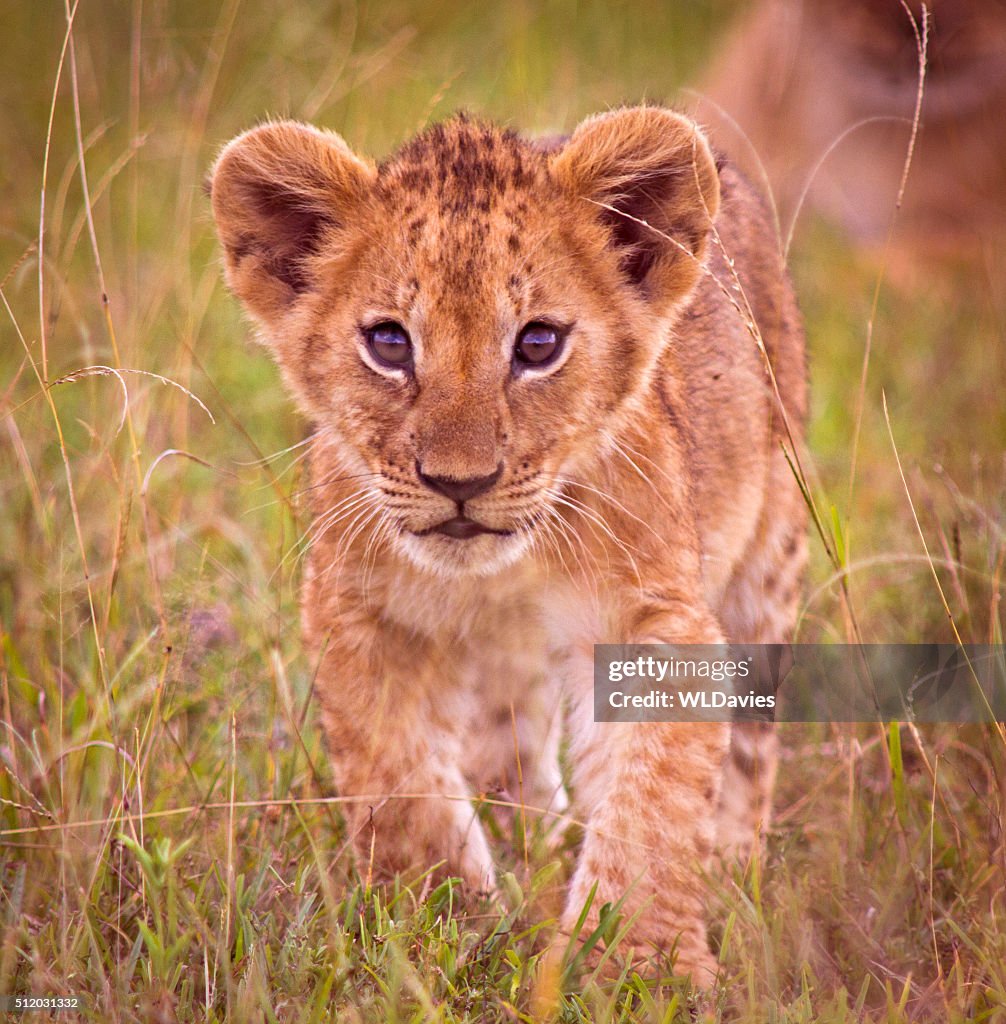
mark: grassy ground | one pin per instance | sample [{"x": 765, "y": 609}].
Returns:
[{"x": 167, "y": 845}]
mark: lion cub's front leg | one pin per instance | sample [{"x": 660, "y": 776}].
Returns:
[
  {"x": 648, "y": 794},
  {"x": 389, "y": 713}
]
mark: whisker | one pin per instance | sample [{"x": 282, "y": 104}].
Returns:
[
  {"x": 331, "y": 478},
  {"x": 323, "y": 523},
  {"x": 359, "y": 524},
  {"x": 305, "y": 490},
  {"x": 558, "y": 525},
  {"x": 623, "y": 447},
  {"x": 377, "y": 538},
  {"x": 613, "y": 500},
  {"x": 538, "y": 533},
  {"x": 266, "y": 459},
  {"x": 596, "y": 518}
]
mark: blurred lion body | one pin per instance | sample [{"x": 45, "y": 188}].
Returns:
[
  {"x": 823, "y": 94},
  {"x": 637, "y": 488}
]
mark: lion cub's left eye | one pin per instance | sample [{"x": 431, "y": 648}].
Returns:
[
  {"x": 389, "y": 344},
  {"x": 538, "y": 344}
]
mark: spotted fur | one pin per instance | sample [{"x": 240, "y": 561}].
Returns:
[{"x": 641, "y": 493}]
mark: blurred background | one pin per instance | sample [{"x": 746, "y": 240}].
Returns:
[{"x": 150, "y": 528}]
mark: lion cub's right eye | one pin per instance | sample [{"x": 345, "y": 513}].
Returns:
[
  {"x": 538, "y": 344},
  {"x": 389, "y": 344}
]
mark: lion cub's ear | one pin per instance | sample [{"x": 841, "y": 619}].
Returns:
[
  {"x": 278, "y": 193},
  {"x": 647, "y": 164}
]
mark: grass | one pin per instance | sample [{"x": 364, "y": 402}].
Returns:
[{"x": 170, "y": 844}]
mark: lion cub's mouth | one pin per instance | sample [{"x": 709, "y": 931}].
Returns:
[{"x": 461, "y": 528}]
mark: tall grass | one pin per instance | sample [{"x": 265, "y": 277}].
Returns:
[{"x": 170, "y": 844}]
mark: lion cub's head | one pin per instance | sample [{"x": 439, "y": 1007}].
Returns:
[{"x": 471, "y": 317}]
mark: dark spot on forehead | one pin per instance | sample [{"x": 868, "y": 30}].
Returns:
[
  {"x": 416, "y": 179},
  {"x": 516, "y": 220},
  {"x": 538, "y": 295},
  {"x": 411, "y": 289},
  {"x": 513, "y": 242},
  {"x": 416, "y": 229},
  {"x": 466, "y": 166}
]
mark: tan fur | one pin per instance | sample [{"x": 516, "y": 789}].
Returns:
[
  {"x": 824, "y": 93},
  {"x": 641, "y": 477}
]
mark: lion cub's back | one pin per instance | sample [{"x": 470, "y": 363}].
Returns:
[{"x": 733, "y": 421}]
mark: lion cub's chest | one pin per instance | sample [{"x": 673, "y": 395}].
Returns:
[
  {"x": 495, "y": 611},
  {"x": 495, "y": 632}
]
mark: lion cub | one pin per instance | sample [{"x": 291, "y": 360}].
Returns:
[{"x": 544, "y": 419}]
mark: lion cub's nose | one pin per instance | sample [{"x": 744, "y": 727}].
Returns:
[{"x": 460, "y": 490}]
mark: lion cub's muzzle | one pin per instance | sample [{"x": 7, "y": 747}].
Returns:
[
  {"x": 461, "y": 526},
  {"x": 460, "y": 490}
]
